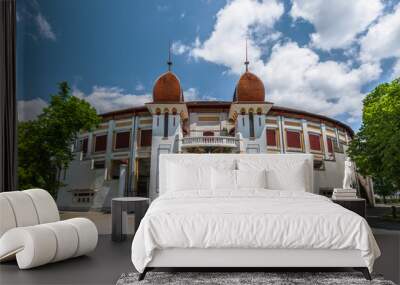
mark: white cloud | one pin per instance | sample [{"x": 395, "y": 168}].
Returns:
[
  {"x": 107, "y": 99},
  {"x": 234, "y": 23},
  {"x": 162, "y": 8},
  {"x": 192, "y": 94},
  {"x": 139, "y": 86},
  {"x": 30, "y": 109},
  {"x": 45, "y": 29},
  {"x": 179, "y": 48},
  {"x": 337, "y": 23},
  {"x": 396, "y": 70},
  {"x": 383, "y": 38},
  {"x": 270, "y": 37},
  {"x": 296, "y": 77}
]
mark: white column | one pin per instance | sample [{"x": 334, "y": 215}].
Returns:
[
  {"x": 281, "y": 134},
  {"x": 180, "y": 134},
  {"x": 239, "y": 137},
  {"x": 90, "y": 144},
  {"x": 109, "y": 149},
  {"x": 305, "y": 136},
  {"x": 122, "y": 180},
  {"x": 323, "y": 130},
  {"x": 132, "y": 154},
  {"x": 337, "y": 138}
]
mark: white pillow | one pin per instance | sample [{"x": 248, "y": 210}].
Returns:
[
  {"x": 223, "y": 179},
  {"x": 251, "y": 178},
  {"x": 293, "y": 179},
  {"x": 184, "y": 178},
  {"x": 282, "y": 173}
]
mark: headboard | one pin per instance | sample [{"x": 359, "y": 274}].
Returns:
[{"x": 217, "y": 160}]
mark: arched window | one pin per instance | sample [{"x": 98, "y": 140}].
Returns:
[
  {"x": 166, "y": 119},
  {"x": 251, "y": 123}
]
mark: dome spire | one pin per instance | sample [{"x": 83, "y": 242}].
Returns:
[
  {"x": 247, "y": 61},
  {"x": 169, "y": 62}
]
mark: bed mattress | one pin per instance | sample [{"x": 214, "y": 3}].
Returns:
[{"x": 250, "y": 219}]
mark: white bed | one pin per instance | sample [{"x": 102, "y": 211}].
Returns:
[{"x": 201, "y": 219}]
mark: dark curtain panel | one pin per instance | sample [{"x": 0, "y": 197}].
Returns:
[{"x": 8, "y": 116}]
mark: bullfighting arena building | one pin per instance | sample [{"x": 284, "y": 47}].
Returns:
[{"x": 120, "y": 157}]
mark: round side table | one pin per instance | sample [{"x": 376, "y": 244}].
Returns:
[{"x": 119, "y": 214}]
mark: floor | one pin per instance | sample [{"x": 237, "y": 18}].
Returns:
[
  {"x": 110, "y": 260},
  {"x": 389, "y": 262},
  {"x": 104, "y": 266}
]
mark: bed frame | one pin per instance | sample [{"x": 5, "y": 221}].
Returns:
[
  {"x": 234, "y": 259},
  {"x": 246, "y": 259}
]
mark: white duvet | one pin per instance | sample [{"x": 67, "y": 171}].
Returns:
[{"x": 250, "y": 219}]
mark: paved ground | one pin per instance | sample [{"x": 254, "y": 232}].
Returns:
[
  {"x": 374, "y": 218},
  {"x": 102, "y": 220},
  {"x": 110, "y": 260}
]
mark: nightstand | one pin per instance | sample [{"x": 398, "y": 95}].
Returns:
[
  {"x": 119, "y": 212},
  {"x": 357, "y": 205}
]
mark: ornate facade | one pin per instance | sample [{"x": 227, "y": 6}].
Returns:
[{"x": 120, "y": 157}]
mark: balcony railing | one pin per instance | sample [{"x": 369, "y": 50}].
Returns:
[
  {"x": 220, "y": 141},
  {"x": 208, "y": 133}
]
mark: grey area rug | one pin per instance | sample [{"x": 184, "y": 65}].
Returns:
[{"x": 229, "y": 278}]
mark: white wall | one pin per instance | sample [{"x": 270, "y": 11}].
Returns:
[
  {"x": 257, "y": 144},
  {"x": 161, "y": 145},
  {"x": 80, "y": 176},
  {"x": 200, "y": 126},
  {"x": 332, "y": 176}
]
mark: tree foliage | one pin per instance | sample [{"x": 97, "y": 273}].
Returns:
[
  {"x": 44, "y": 144},
  {"x": 376, "y": 147}
]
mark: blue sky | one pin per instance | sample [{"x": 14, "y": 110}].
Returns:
[{"x": 317, "y": 56}]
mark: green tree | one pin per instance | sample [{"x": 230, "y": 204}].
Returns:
[
  {"x": 376, "y": 147},
  {"x": 44, "y": 144}
]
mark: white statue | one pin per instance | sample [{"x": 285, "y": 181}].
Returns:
[
  {"x": 348, "y": 173},
  {"x": 239, "y": 137}
]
